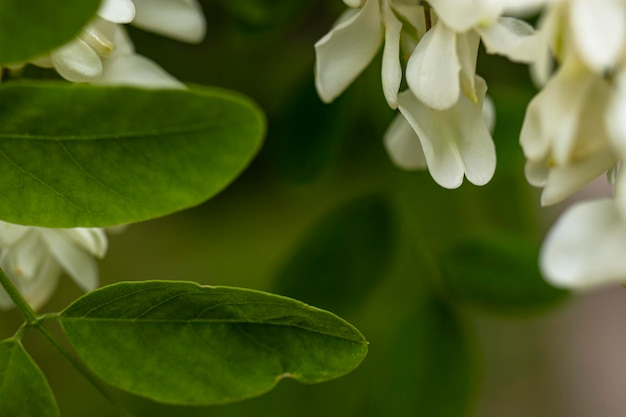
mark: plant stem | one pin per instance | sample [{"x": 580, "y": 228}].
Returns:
[
  {"x": 81, "y": 368},
  {"x": 25, "y": 308},
  {"x": 32, "y": 320},
  {"x": 427, "y": 16}
]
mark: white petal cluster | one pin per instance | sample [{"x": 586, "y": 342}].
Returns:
[
  {"x": 443, "y": 128},
  {"x": 104, "y": 54},
  {"x": 574, "y": 129},
  {"x": 574, "y": 132},
  {"x": 33, "y": 257}
]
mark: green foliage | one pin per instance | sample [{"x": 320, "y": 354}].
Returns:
[
  {"x": 181, "y": 343},
  {"x": 24, "y": 391},
  {"x": 498, "y": 274},
  {"x": 29, "y": 28},
  {"x": 126, "y": 154},
  {"x": 345, "y": 255},
  {"x": 264, "y": 13},
  {"x": 308, "y": 136},
  {"x": 429, "y": 369}
]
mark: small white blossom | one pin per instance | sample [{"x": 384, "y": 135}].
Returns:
[
  {"x": 344, "y": 52},
  {"x": 443, "y": 63},
  {"x": 453, "y": 143},
  {"x": 35, "y": 257},
  {"x": 564, "y": 135},
  {"x": 102, "y": 53}
]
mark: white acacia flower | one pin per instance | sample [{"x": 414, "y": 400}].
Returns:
[
  {"x": 594, "y": 30},
  {"x": 344, "y": 52},
  {"x": 586, "y": 246},
  {"x": 453, "y": 143},
  {"x": 86, "y": 58},
  {"x": 564, "y": 135},
  {"x": 34, "y": 259},
  {"x": 443, "y": 63}
]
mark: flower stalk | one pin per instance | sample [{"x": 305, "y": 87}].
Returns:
[
  {"x": 427, "y": 16},
  {"x": 25, "y": 308}
]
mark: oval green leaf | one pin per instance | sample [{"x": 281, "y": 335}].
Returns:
[
  {"x": 24, "y": 390},
  {"x": 182, "y": 343},
  {"x": 76, "y": 155},
  {"x": 498, "y": 274},
  {"x": 29, "y": 28}
]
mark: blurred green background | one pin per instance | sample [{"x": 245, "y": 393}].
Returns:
[{"x": 443, "y": 283}]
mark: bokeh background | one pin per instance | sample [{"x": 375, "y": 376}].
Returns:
[{"x": 443, "y": 283}]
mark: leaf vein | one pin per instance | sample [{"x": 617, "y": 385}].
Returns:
[{"x": 42, "y": 182}]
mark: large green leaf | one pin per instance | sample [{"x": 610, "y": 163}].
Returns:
[
  {"x": 29, "y": 28},
  {"x": 24, "y": 391},
  {"x": 343, "y": 258},
  {"x": 182, "y": 343},
  {"x": 499, "y": 274},
  {"x": 75, "y": 155}
]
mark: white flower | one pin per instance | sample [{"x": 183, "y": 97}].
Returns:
[
  {"x": 453, "y": 143},
  {"x": 564, "y": 135},
  {"x": 586, "y": 246},
  {"x": 88, "y": 58},
  {"x": 344, "y": 52},
  {"x": 444, "y": 61},
  {"x": 34, "y": 258}
]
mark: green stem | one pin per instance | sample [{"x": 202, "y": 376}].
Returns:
[
  {"x": 82, "y": 369},
  {"x": 25, "y": 308},
  {"x": 32, "y": 320}
]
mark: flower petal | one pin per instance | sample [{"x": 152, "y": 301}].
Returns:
[
  {"x": 455, "y": 141},
  {"x": 11, "y": 233},
  {"x": 136, "y": 71},
  {"x": 77, "y": 62},
  {"x": 117, "y": 11},
  {"x": 614, "y": 118},
  {"x": 23, "y": 259},
  {"x": 182, "y": 20},
  {"x": 79, "y": 264},
  {"x": 344, "y": 52},
  {"x": 599, "y": 31},
  {"x": 39, "y": 291},
  {"x": 433, "y": 69},
  {"x": 586, "y": 247},
  {"x": 354, "y": 3},
  {"x": 513, "y": 38},
  {"x": 553, "y": 116},
  {"x": 93, "y": 240},
  {"x": 463, "y": 15},
  {"x": 403, "y": 145},
  {"x": 467, "y": 50},
  {"x": 391, "y": 70},
  {"x": 563, "y": 181}
]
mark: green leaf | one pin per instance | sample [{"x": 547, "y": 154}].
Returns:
[
  {"x": 343, "y": 258},
  {"x": 182, "y": 343},
  {"x": 30, "y": 28},
  {"x": 24, "y": 391},
  {"x": 76, "y": 155},
  {"x": 498, "y": 274},
  {"x": 428, "y": 366}
]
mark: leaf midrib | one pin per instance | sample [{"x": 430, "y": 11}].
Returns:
[
  {"x": 203, "y": 321},
  {"x": 174, "y": 130}
]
